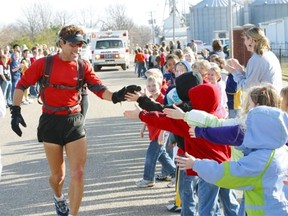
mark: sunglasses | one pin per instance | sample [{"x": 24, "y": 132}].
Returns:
[{"x": 77, "y": 44}]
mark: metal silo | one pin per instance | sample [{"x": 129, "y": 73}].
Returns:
[
  {"x": 210, "y": 16},
  {"x": 265, "y": 10}
]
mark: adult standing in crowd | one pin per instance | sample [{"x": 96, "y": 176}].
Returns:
[
  {"x": 262, "y": 67},
  {"x": 193, "y": 46},
  {"x": 217, "y": 48},
  {"x": 15, "y": 68},
  {"x": 61, "y": 125},
  {"x": 5, "y": 79},
  {"x": 33, "y": 89}
]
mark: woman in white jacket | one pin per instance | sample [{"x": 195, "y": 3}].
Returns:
[{"x": 262, "y": 67}]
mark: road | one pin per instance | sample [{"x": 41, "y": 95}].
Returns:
[{"x": 115, "y": 161}]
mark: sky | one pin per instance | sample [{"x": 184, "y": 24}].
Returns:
[{"x": 139, "y": 10}]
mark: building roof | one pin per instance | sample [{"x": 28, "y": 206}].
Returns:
[
  {"x": 216, "y": 3},
  {"x": 212, "y": 3},
  {"x": 269, "y": 2}
]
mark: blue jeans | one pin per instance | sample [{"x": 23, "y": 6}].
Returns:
[
  {"x": 6, "y": 87},
  {"x": 15, "y": 79},
  {"x": 33, "y": 90},
  {"x": 188, "y": 191},
  {"x": 141, "y": 68},
  {"x": 170, "y": 152},
  {"x": 208, "y": 199},
  {"x": 242, "y": 208},
  {"x": 157, "y": 152},
  {"x": 229, "y": 200}
]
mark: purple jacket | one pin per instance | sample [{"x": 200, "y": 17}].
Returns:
[{"x": 232, "y": 135}]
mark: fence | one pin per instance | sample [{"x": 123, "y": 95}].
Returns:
[{"x": 281, "y": 51}]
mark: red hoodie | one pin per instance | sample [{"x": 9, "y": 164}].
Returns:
[{"x": 203, "y": 97}]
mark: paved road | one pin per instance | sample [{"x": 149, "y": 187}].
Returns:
[{"x": 115, "y": 161}]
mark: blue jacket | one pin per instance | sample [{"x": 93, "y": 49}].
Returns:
[{"x": 261, "y": 172}]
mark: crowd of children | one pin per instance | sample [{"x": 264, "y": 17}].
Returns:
[
  {"x": 234, "y": 115},
  {"x": 13, "y": 64}
]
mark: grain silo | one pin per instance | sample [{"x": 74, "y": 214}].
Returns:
[
  {"x": 265, "y": 10},
  {"x": 210, "y": 17}
]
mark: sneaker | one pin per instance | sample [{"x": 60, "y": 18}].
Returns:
[
  {"x": 160, "y": 177},
  {"x": 33, "y": 96},
  {"x": 29, "y": 101},
  {"x": 61, "y": 206},
  {"x": 142, "y": 183},
  {"x": 173, "y": 208},
  {"x": 172, "y": 183},
  {"x": 25, "y": 102}
]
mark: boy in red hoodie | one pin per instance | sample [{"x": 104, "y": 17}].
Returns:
[{"x": 203, "y": 97}]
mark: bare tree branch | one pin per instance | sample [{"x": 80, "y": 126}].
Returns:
[{"x": 36, "y": 18}]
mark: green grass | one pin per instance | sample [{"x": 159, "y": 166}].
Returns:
[{"x": 285, "y": 72}]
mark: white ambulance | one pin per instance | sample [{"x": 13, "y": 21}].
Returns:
[{"x": 110, "y": 48}]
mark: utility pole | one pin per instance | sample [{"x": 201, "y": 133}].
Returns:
[
  {"x": 230, "y": 24},
  {"x": 174, "y": 8},
  {"x": 152, "y": 21}
]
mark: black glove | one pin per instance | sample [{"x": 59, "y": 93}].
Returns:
[
  {"x": 185, "y": 106},
  {"x": 147, "y": 104},
  {"x": 119, "y": 96},
  {"x": 16, "y": 119}
]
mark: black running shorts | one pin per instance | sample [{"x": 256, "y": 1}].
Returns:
[{"x": 60, "y": 129}]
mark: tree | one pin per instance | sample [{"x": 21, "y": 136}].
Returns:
[
  {"x": 36, "y": 18},
  {"x": 140, "y": 35},
  {"x": 116, "y": 18},
  {"x": 9, "y": 34},
  {"x": 62, "y": 18},
  {"x": 87, "y": 17}
]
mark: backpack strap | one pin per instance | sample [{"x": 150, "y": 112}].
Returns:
[
  {"x": 45, "y": 80},
  {"x": 47, "y": 70},
  {"x": 80, "y": 72}
]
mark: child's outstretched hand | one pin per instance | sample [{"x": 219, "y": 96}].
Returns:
[
  {"x": 186, "y": 162},
  {"x": 134, "y": 96},
  {"x": 175, "y": 113},
  {"x": 192, "y": 132},
  {"x": 133, "y": 114}
]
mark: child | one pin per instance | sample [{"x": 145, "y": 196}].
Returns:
[
  {"x": 234, "y": 96},
  {"x": 140, "y": 61},
  {"x": 26, "y": 64},
  {"x": 214, "y": 77},
  {"x": 169, "y": 75},
  {"x": 189, "y": 55},
  {"x": 155, "y": 72},
  {"x": 261, "y": 172},
  {"x": 155, "y": 149},
  {"x": 203, "y": 67},
  {"x": 233, "y": 135},
  {"x": 206, "y": 192},
  {"x": 284, "y": 97},
  {"x": 180, "y": 68}
]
